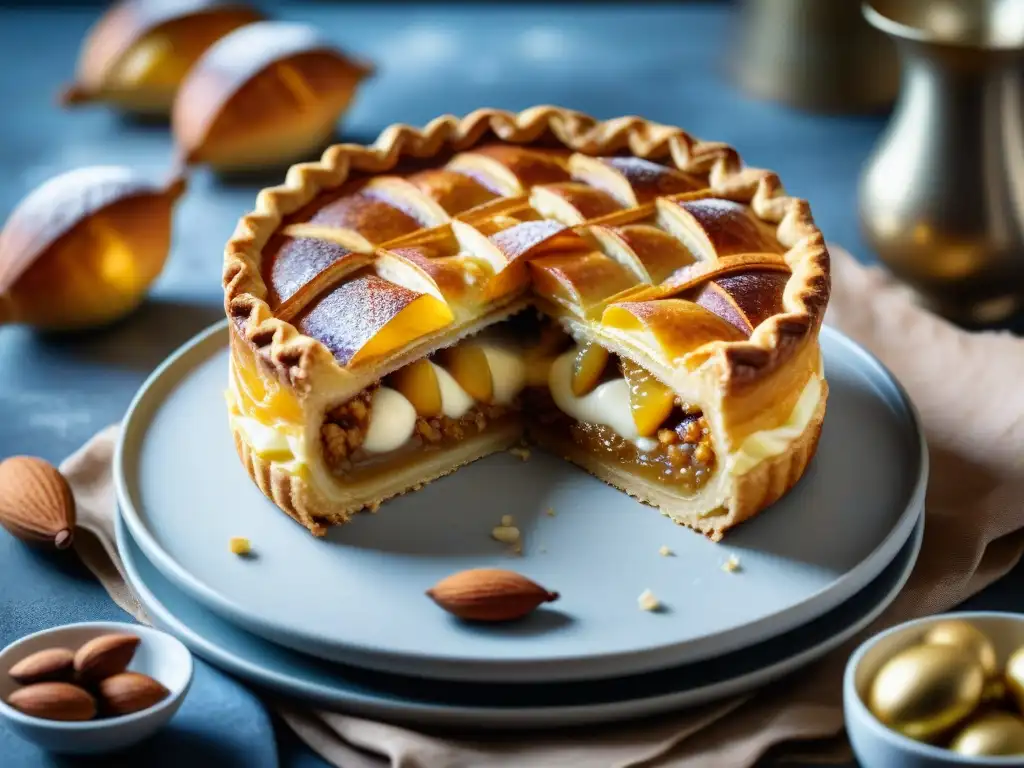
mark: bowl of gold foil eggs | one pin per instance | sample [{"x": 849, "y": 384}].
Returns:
[{"x": 946, "y": 690}]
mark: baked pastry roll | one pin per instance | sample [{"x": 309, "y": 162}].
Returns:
[{"x": 620, "y": 293}]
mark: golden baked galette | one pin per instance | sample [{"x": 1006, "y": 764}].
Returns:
[{"x": 618, "y": 293}]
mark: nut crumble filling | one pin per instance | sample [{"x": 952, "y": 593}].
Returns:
[
  {"x": 345, "y": 426},
  {"x": 681, "y": 454}
]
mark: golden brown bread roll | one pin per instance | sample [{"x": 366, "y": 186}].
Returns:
[
  {"x": 266, "y": 94},
  {"x": 139, "y": 51},
  {"x": 81, "y": 249}
]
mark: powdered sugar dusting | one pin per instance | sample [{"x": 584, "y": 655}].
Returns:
[
  {"x": 299, "y": 261},
  {"x": 515, "y": 242},
  {"x": 353, "y": 313}
]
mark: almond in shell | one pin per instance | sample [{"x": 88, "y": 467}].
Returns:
[
  {"x": 54, "y": 701},
  {"x": 47, "y": 666},
  {"x": 489, "y": 594},
  {"x": 104, "y": 656},
  {"x": 129, "y": 692},
  {"x": 36, "y": 504}
]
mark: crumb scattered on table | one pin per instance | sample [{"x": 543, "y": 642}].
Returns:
[
  {"x": 507, "y": 520},
  {"x": 648, "y": 602},
  {"x": 665, "y": 551},
  {"x": 239, "y": 545},
  {"x": 732, "y": 564},
  {"x": 551, "y": 512},
  {"x": 506, "y": 534},
  {"x": 522, "y": 453}
]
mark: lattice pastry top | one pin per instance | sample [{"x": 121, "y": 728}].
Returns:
[{"x": 663, "y": 249}]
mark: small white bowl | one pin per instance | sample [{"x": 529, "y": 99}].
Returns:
[
  {"x": 873, "y": 743},
  {"x": 159, "y": 655}
]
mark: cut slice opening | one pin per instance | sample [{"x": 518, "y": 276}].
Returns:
[{"x": 543, "y": 383}]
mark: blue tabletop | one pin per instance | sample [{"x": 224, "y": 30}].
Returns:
[{"x": 665, "y": 62}]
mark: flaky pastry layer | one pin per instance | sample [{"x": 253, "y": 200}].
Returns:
[{"x": 744, "y": 386}]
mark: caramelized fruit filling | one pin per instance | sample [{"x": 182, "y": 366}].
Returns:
[
  {"x": 605, "y": 404},
  {"x": 613, "y": 407},
  {"x": 433, "y": 403},
  {"x": 345, "y": 428},
  {"x": 680, "y": 455}
]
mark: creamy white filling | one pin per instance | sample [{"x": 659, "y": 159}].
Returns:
[
  {"x": 771, "y": 442},
  {"x": 455, "y": 401},
  {"x": 508, "y": 371},
  {"x": 288, "y": 452},
  {"x": 392, "y": 421},
  {"x": 607, "y": 404},
  {"x": 264, "y": 440},
  {"x": 393, "y": 418}
]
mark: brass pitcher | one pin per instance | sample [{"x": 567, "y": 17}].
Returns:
[{"x": 942, "y": 195}]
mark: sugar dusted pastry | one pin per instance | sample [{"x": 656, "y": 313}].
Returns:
[
  {"x": 618, "y": 292},
  {"x": 82, "y": 248},
  {"x": 267, "y": 94},
  {"x": 137, "y": 54}
]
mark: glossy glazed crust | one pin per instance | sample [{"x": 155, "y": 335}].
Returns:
[
  {"x": 297, "y": 359},
  {"x": 746, "y": 384}
]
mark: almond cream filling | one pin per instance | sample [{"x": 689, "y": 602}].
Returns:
[
  {"x": 393, "y": 417},
  {"x": 607, "y": 404},
  {"x": 771, "y": 442}
]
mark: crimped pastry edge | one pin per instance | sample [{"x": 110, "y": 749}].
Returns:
[{"x": 296, "y": 358}]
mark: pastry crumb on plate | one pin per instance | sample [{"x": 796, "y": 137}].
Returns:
[
  {"x": 506, "y": 534},
  {"x": 239, "y": 545},
  {"x": 648, "y": 602}
]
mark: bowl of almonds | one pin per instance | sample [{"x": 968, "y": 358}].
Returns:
[{"x": 92, "y": 687}]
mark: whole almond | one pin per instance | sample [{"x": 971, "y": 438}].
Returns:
[
  {"x": 54, "y": 701},
  {"x": 129, "y": 692},
  {"x": 36, "y": 504},
  {"x": 489, "y": 594},
  {"x": 48, "y": 666},
  {"x": 104, "y": 656}
]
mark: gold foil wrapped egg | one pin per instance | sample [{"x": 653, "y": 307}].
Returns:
[
  {"x": 82, "y": 249},
  {"x": 965, "y": 635},
  {"x": 926, "y": 689},
  {"x": 266, "y": 95},
  {"x": 137, "y": 54},
  {"x": 1013, "y": 676},
  {"x": 995, "y": 733}
]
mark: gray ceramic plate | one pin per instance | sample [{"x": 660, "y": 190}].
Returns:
[
  {"x": 357, "y": 595},
  {"x": 496, "y": 705}
]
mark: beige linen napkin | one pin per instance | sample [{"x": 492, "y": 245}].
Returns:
[{"x": 967, "y": 389}]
